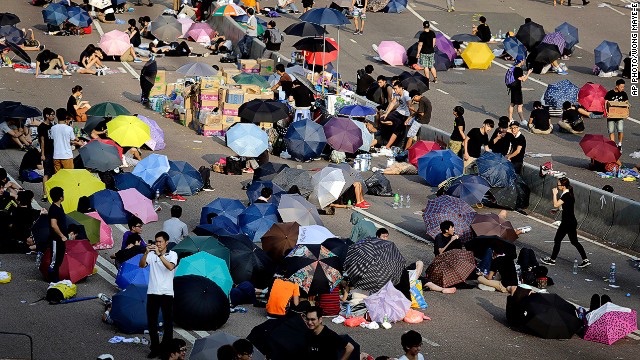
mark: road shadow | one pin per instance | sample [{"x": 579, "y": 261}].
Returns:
[
  {"x": 212, "y": 158},
  {"x": 497, "y": 312},
  {"x": 571, "y": 161},
  {"x": 582, "y": 69},
  {"x": 131, "y": 97},
  {"x": 479, "y": 109}
]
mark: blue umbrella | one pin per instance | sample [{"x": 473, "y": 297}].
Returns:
[
  {"x": 395, "y": 6},
  {"x": 131, "y": 273},
  {"x": 570, "y": 34},
  {"x": 162, "y": 185},
  {"x": 325, "y": 16},
  {"x": 109, "y": 205},
  {"x": 185, "y": 179},
  {"x": 55, "y": 14},
  {"x": 442, "y": 62},
  {"x": 608, "y": 56},
  {"x": 151, "y": 167},
  {"x": 12, "y": 34},
  {"x": 220, "y": 225},
  {"x": 227, "y": 207},
  {"x": 305, "y": 139},
  {"x": 129, "y": 181},
  {"x": 79, "y": 17},
  {"x": 257, "y": 220},
  {"x": 439, "y": 165},
  {"x": 515, "y": 48},
  {"x": 247, "y": 139},
  {"x": 559, "y": 92},
  {"x": 470, "y": 188},
  {"x": 357, "y": 111},
  {"x": 496, "y": 169},
  {"x": 253, "y": 191},
  {"x": 118, "y": 2},
  {"x": 129, "y": 309}
]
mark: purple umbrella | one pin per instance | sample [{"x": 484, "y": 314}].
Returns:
[
  {"x": 444, "y": 45},
  {"x": 157, "y": 134},
  {"x": 555, "y": 38},
  {"x": 343, "y": 135}
]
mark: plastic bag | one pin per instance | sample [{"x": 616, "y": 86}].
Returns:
[
  {"x": 378, "y": 185},
  {"x": 414, "y": 317},
  {"x": 417, "y": 299},
  {"x": 354, "y": 321}
]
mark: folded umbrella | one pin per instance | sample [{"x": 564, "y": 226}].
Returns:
[
  {"x": 414, "y": 81},
  {"x": 254, "y": 190},
  {"x": 480, "y": 244},
  {"x": 248, "y": 261},
  {"x": 199, "y": 303},
  {"x": 314, "y": 268},
  {"x": 257, "y": 219},
  {"x": 166, "y": 28},
  {"x": 372, "y": 262},
  {"x": 220, "y": 225},
  {"x": 530, "y": 35},
  {"x": 392, "y": 53},
  {"x": 493, "y": 225},
  {"x": 79, "y": 17},
  {"x": 515, "y": 48},
  {"x": 451, "y": 267},
  {"x": 7, "y": 18},
  {"x": 356, "y": 111},
  {"x": 75, "y": 183},
  {"x": 247, "y": 139},
  {"x": 343, "y": 135},
  {"x": 438, "y": 165},
  {"x": 591, "y": 97},
  {"x": 496, "y": 169},
  {"x": 78, "y": 262},
  {"x": 130, "y": 273},
  {"x": 130, "y": 181},
  {"x": 138, "y": 205},
  {"x": 570, "y": 34},
  {"x": 280, "y": 239},
  {"x": 269, "y": 170},
  {"x": 305, "y": 139},
  {"x": 114, "y": 43},
  {"x": 550, "y": 317},
  {"x": 106, "y": 235},
  {"x": 129, "y": 309},
  {"x": 157, "y": 134},
  {"x": 295, "y": 208},
  {"x": 608, "y": 56},
  {"x": 468, "y": 38},
  {"x": 110, "y": 207},
  {"x": 258, "y": 110},
  {"x": 55, "y": 14},
  {"x": 610, "y": 323},
  {"x": 478, "y": 55},
  {"x": 206, "y": 348},
  {"x": 447, "y": 207},
  {"x": 226, "y": 207},
  {"x": 599, "y": 148},
  {"x": 208, "y": 266},
  {"x": 421, "y": 148},
  {"x": 12, "y": 34},
  {"x": 325, "y": 16},
  {"x": 197, "y": 69},
  {"x": 151, "y": 168},
  {"x": 304, "y": 28},
  {"x": 470, "y": 188},
  {"x": 200, "y": 32},
  {"x": 107, "y": 109},
  {"x": 100, "y": 156},
  {"x": 289, "y": 177},
  {"x": 184, "y": 178}
]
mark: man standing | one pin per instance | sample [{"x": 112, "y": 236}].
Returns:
[
  {"x": 420, "y": 116},
  {"x": 476, "y": 139},
  {"x": 176, "y": 229},
  {"x": 518, "y": 147},
  {"x": 426, "y": 50},
  {"x": 616, "y": 124},
  {"x": 63, "y": 136},
  {"x": 501, "y": 138},
  {"x": 57, "y": 232},
  {"x": 322, "y": 342},
  {"x": 272, "y": 37},
  {"x": 396, "y": 114},
  {"x": 162, "y": 264},
  {"x": 515, "y": 90},
  {"x": 46, "y": 147},
  {"x": 358, "y": 10}
]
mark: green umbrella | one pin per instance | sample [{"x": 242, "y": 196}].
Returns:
[
  {"x": 209, "y": 266},
  {"x": 108, "y": 109},
  {"x": 91, "y": 226},
  {"x": 195, "y": 244},
  {"x": 251, "y": 79}
]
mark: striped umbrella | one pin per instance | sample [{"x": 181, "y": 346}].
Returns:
[
  {"x": 555, "y": 38},
  {"x": 372, "y": 262},
  {"x": 448, "y": 208},
  {"x": 451, "y": 267}
]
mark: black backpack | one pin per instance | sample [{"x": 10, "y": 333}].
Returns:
[{"x": 205, "y": 173}]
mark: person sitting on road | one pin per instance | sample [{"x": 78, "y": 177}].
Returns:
[
  {"x": 447, "y": 239},
  {"x": 265, "y": 195},
  {"x": 91, "y": 61},
  {"x": 283, "y": 297},
  {"x": 287, "y": 6},
  {"x": 508, "y": 276},
  {"x": 134, "y": 34},
  {"x": 173, "y": 49},
  {"x": 12, "y": 133},
  {"x": 411, "y": 342},
  {"x": 362, "y": 228},
  {"x": 50, "y": 63},
  {"x": 144, "y": 22},
  {"x": 571, "y": 119},
  {"x": 482, "y": 31},
  {"x": 540, "y": 120}
]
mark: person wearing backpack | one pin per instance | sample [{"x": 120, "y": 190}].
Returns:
[
  {"x": 272, "y": 37},
  {"x": 515, "y": 89}
]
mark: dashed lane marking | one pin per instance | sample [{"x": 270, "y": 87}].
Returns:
[{"x": 442, "y": 91}]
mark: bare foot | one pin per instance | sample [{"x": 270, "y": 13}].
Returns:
[{"x": 449, "y": 290}]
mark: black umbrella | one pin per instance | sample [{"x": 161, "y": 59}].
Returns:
[
  {"x": 19, "y": 52},
  {"x": 304, "y": 28},
  {"x": 530, "y": 35},
  {"x": 267, "y": 171},
  {"x": 480, "y": 244},
  {"x": 199, "y": 303},
  {"x": 6, "y": 107},
  {"x": 412, "y": 51},
  {"x": 248, "y": 261},
  {"x": 443, "y": 62},
  {"x": 289, "y": 177},
  {"x": 207, "y": 348},
  {"x": 23, "y": 112},
  {"x": 545, "y": 53},
  {"x": 8, "y": 19},
  {"x": 414, "y": 81},
  {"x": 372, "y": 262},
  {"x": 258, "y": 110},
  {"x": 12, "y": 34},
  {"x": 280, "y": 339},
  {"x": 466, "y": 38},
  {"x": 100, "y": 156},
  {"x": 94, "y": 122},
  {"x": 550, "y": 317},
  {"x": 314, "y": 44},
  {"x": 40, "y": 231}
]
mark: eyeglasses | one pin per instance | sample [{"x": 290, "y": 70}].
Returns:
[
  {"x": 138, "y": 226},
  {"x": 184, "y": 349}
]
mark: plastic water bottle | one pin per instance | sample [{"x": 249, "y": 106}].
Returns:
[
  {"x": 401, "y": 204},
  {"x": 348, "y": 314},
  {"x": 575, "y": 266},
  {"x": 396, "y": 200},
  {"x": 385, "y": 319},
  {"x": 38, "y": 259},
  {"x": 157, "y": 199},
  {"x": 408, "y": 201},
  {"x": 612, "y": 274},
  {"x": 519, "y": 274},
  {"x": 500, "y": 34},
  {"x": 349, "y": 203}
]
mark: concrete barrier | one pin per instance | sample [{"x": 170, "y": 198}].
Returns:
[{"x": 626, "y": 224}]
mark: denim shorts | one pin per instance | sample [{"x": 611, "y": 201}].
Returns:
[{"x": 615, "y": 125}]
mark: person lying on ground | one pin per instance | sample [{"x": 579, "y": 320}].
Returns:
[
  {"x": 174, "y": 49},
  {"x": 12, "y": 133},
  {"x": 50, "y": 63},
  {"x": 219, "y": 44}
]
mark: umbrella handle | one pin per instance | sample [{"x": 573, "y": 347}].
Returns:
[{"x": 72, "y": 300}]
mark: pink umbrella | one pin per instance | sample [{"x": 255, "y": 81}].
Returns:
[
  {"x": 106, "y": 237},
  {"x": 138, "y": 205},
  {"x": 392, "y": 53},
  {"x": 610, "y": 323},
  {"x": 115, "y": 43},
  {"x": 446, "y": 46},
  {"x": 186, "y": 24},
  {"x": 200, "y": 32}
]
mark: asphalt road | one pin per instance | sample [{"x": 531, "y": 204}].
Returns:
[{"x": 469, "y": 324}]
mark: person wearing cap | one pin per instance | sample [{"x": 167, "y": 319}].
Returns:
[
  {"x": 426, "y": 51},
  {"x": 518, "y": 147}
]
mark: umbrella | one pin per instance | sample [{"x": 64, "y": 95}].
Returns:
[
  {"x": 570, "y": 34},
  {"x": 55, "y": 14},
  {"x": 493, "y": 225},
  {"x": 295, "y": 208},
  {"x": 166, "y": 28},
  {"x": 289, "y": 177},
  {"x": 255, "y": 188},
  {"x": 414, "y": 81},
  {"x": 555, "y": 38},
  {"x": 447, "y": 207},
  {"x": 247, "y": 139},
  {"x": 197, "y": 69},
  {"x": 130, "y": 273},
  {"x": 303, "y": 28},
  {"x": 220, "y": 225},
  {"x": 530, "y": 35},
  {"x": 138, "y": 205},
  {"x": 280, "y": 339},
  {"x": 329, "y": 183},
  {"x": 100, "y": 4},
  {"x": 186, "y": 23},
  {"x": 91, "y": 226},
  {"x": 12, "y": 34},
  {"x": 8, "y": 19},
  {"x": 194, "y": 244},
  {"x": 41, "y": 230},
  {"x": 439, "y": 165},
  {"x": 259, "y": 110},
  {"x": 392, "y": 53},
  {"x": 280, "y": 239},
  {"x": 206, "y": 348},
  {"x": 608, "y": 56},
  {"x": 515, "y": 48},
  {"x": 199, "y": 303},
  {"x": 412, "y": 51},
  {"x": 75, "y": 183},
  {"x": 557, "y": 93},
  {"x": 421, "y": 148},
  {"x": 480, "y": 244},
  {"x": 314, "y": 268},
  {"x": 395, "y": 6},
  {"x": 306, "y": 82},
  {"x": 446, "y": 46},
  {"x": 372, "y": 262},
  {"x": 21, "y": 111},
  {"x": 314, "y": 44},
  {"x": 107, "y": 109},
  {"x": 229, "y": 208},
  {"x": 610, "y": 323},
  {"x": 251, "y": 79},
  {"x": 468, "y": 38},
  {"x": 230, "y": 10},
  {"x": 356, "y": 111},
  {"x": 106, "y": 236},
  {"x": 545, "y": 53},
  {"x": 200, "y": 32},
  {"x": 185, "y": 179},
  {"x": 78, "y": 262},
  {"x": 591, "y": 97},
  {"x": 550, "y": 317},
  {"x": 19, "y": 52},
  {"x": 325, "y": 16},
  {"x": 305, "y": 139},
  {"x": 323, "y": 57},
  {"x": 151, "y": 168},
  {"x": 269, "y": 170},
  {"x": 157, "y": 134},
  {"x": 100, "y": 156},
  {"x": 343, "y": 135},
  {"x": 313, "y": 235},
  {"x": 257, "y": 219},
  {"x": 496, "y": 169},
  {"x": 442, "y": 61},
  {"x": 478, "y": 55},
  {"x": 248, "y": 261},
  {"x": 599, "y": 148},
  {"x": 114, "y": 43},
  {"x": 130, "y": 181},
  {"x": 79, "y": 17},
  {"x": 513, "y": 196},
  {"x": 367, "y": 137},
  {"x": 129, "y": 309},
  {"x": 128, "y": 130},
  {"x": 470, "y": 188},
  {"x": 208, "y": 266},
  {"x": 110, "y": 207},
  {"x": 451, "y": 267}
]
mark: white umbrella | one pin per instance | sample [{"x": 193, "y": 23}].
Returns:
[
  {"x": 328, "y": 184},
  {"x": 295, "y": 208},
  {"x": 313, "y": 234}
]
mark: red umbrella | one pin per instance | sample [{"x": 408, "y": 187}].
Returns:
[
  {"x": 79, "y": 260},
  {"x": 591, "y": 97},
  {"x": 420, "y": 148},
  {"x": 599, "y": 148},
  {"x": 317, "y": 57}
]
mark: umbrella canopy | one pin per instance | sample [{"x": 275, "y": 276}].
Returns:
[
  {"x": 480, "y": 244},
  {"x": 414, "y": 81},
  {"x": 343, "y": 135},
  {"x": 367, "y": 137},
  {"x": 329, "y": 183},
  {"x": 478, "y": 55},
  {"x": 289, "y": 177},
  {"x": 550, "y": 317},
  {"x": 79, "y": 17},
  {"x": 257, "y": 219},
  {"x": 269, "y": 170},
  {"x": 545, "y": 53},
  {"x": 451, "y": 267},
  {"x": 280, "y": 239},
  {"x": 194, "y": 244},
  {"x": 128, "y": 130},
  {"x": 186, "y": 23},
  {"x": 515, "y": 48},
  {"x": 496, "y": 169},
  {"x": 305, "y": 139},
  {"x": 610, "y": 323},
  {"x": 323, "y": 57},
  {"x": 208, "y": 266},
  {"x": 130, "y": 181},
  {"x": 438, "y": 165},
  {"x": 114, "y": 43},
  {"x": 591, "y": 97},
  {"x": 130, "y": 273},
  {"x": 248, "y": 261},
  {"x": 151, "y": 168},
  {"x": 314, "y": 44},
  {"x": 199, "y": 303},
  {"x": 106, "y": 236},
  {"x": 157, "y": 134},
  {"x": 314, "y": 268},
  {"x": 55, "y": 14},
  {"x": 304, "y": 28},
  {"x": 420, "y": 148},
  {"x": 229, "y": 10},
  {"x": 280, "y": 339},
  {"x": 608, "y": 56},
  {"x": 197, "y": 69},
  {"x": 447, "y": 207},
  {"x": 220, "y": 225},
  {"x": 530, "y": 35},
  {"x": 184, "y": 178},
  {"x": 229, "y": 208},
  {"x": 493, "y": 225},
  {"x": 470, "y": 188},
  {"x": 200, "y": 32},
  {"x": 599, "y": 148},
  {"x": 442, "y": 61},
  {"x": 100, "y": 4},
  {"x": 557, "y": 93},
  {"x": 166, "y": 28},
  {"x": 555, "y": 38},
  {"x": 295, "y": 208},
  {"x": 110, "y": 207},
  {"x": 107, "y": 109},
  {"x": 129, "y": 309},
  {"x": 207, "y": 348},
  {"x": 446, "y": 46},
  {"x": 259, "y": 110},
  {"x": 247, "y": 139},
  {"x": 395, "y": 6},
  {"x": 41, "y": 229},
  {"x": 313, "y": 235},
  {"x": 392, "y": 53},
  {"x": 21, "y": 111},
  {"x": 372, "y": 262},
  {"x": 100, "y": 156},
  {"x": 91, "y": 226},
  {"x": 19, "y": 52},
  {"x": 570, "y": 34},
  {"x": 78, "y": 262},
  {"x": 251, "y": 79},
  {"x": 325, "y": 16},
  {"x": 468, "y": 38},
  {"x": 356, "y": 111},
  {"x": 254, "y": 190},
  {"x": 8, "y": 19},
  {"x": 75, "y": 183},
  {"x": 12, "y": 34},
  {"x": 138, "y": 205}
]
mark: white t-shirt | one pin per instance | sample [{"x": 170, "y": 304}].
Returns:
[
  {"x": 161, "y": 278},
  {"x": 253, "y": 22},
  {"x": 62, "y": 134},
  {"x": 404, "y": 357},
  {"x": 403, "y": 102},
  {"x": 176, "y": 229}
]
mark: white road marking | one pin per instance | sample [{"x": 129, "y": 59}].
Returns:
[
  {"x": 202, "y": 333},
  {"x": 512, "y": 8},
  {"x": 442, "y": 91},
  {"x": 577, "y": 46},
  {"x": 634, "y": 337},
  {"x": 106, "y": 275},
  {"x": 605, "y": 5},
  {"x": 108, "y": 265}
]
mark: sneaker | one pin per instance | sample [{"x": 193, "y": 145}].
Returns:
[
  {"x": 584, "y": 263},
  {"x": 524, "y": 229},
  {"x": 548, "y": 261},
  {"x": 208, "y": 188},
  {"x": 453, "y": 9},
  {"x": 44, "y": 198},
  {"x": 137, "y": 60},
  {"x": 66, "y": 73},
  {"x": 562, "y": 72},
  {"x": 362, "y": 205},
  {"x": 366, "y": 203},
  {"x": 356, "y": 32},
  {"x": 484, "y": 287},
  {"x": 620, "y": 147},
  {"x": 449, "y": 10},
  {"x": 176, "y": 197},
  {"x": 374, "y": 169}
]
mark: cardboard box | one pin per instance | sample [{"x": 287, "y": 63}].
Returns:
[
  {"x": 209, "y": 104},
  {"x": 211, "y": 82},
  {"x": 265, "y": 95},
  {"x": 250, "y": 66},
  {"x": 161, "y": 77},
  {"x": 229, "y": 74},
  {"x": 618, "y": 110},
  {"x": 228, "y": 120},
  {"x": 212, "y": 119},
  {"x": 158, "y": 89},
  {"x": 251, "y": 89},
  {"x": 210, "y": 95},
  {"x": 213, "y": 130},
  {"x": 177, "y": 87},
  {"x": 230, "y": 109},
  {"x": 266, "y": 125},
  {"x": 233, "y": 96},
  {"x": 267, "y": 66}
]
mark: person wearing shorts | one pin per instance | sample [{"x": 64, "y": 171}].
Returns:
[
  {"x": 358, "y": 10},
  {"x": 426, "y": 50},
  {"x": 422, "y": 115},
  {"x": 615, "y": 124},
  {"x": 396, "y": 114}
]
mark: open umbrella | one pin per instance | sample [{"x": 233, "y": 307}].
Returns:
[
  {"x": 367, "y": 137},
  {"x": 372, "y": 262},
  {"x": 544, "y": 53},
  {"x": 21, "y": 111},
  {"x": 451, "y": 267},
  {"x": 229, "y": 10},
  {"x": 446, "y": 46},
  {"x": 110, "y": 207},
  {"x": 356, "y": 111},
  {"x": 414, "y": 81},
  {"x": 251, "y": 79},
  {"x": 128, "y": 130},
  {"x": 314, "y": 268},
  {"x": 12, "y": 34},
  {"x": 329, "y": 183},
  {"x": 442, "y": 61},
  {"x": 295, "y": 208},
  {"x": 468, "y": 38},
  {"x": 313, "y": 235},
  {"x": 194, "y": 244},
  {"x": 570, "y": 34},
  {"x": 325, "y": 16},
  {"x": 75, "y": 183},
  {"x": 55, "y": 14},
  {"x": 321, "y": 57},
  {"x": 478, "y": 55},
  {"x": 107, "y": 109},
  {"x": 200, "y": 32},
  {"x": 304, "y": 28},
  {"x": 130, "y": 181},
  {"x": 343, "y": 135},
  {"x": 248, "y": 261},
  {"x": 197, "y": 69},
  {"x": 610, "y": 323},
  {"x": 392, "y": 53},
  {"x": 138, "y": 205},
  {"x": 305, "y": 139},
  {"x": 130, "y": 273},
  {"x": 530, "y": 35},
  {"x": 493, "y": 225},
  {"x": 78, "y": 262},
  {"x": 496, "y": 169},
  {"x": 259, "y": 110},
  {"x": 289, "y": 177},
  {"x": 186, "y": 23},
  {"x": 550, "y": 317},
  {"x": 421, "y": 148},
  {"x": 184, "y": 178},
  {"x": 206, "y": 348},
  {"x": 19, "y": 52},
  {"x": 555, "y": 38},
  {"x": 129, "y": 309},
  {"x": 438, "y": 165},
  {"x": 41, "y": 230},
  {"x": 79, "y": 17},
  {"x": 515, "y": 48},
  {"x": 226, "y": 207},
  {"x": 157, "y": 134},
  {"x": 247, "y": 139},
  {"x": 8, "y": 19},
  {"x": 591, "y": 97},
  {"x": 91, "y": 226},
  {"x": 280, "y": 239},
  {"x": 106, "y": 236},
  {"x": 280, "y": 339},
  {"x": 151, "y": 168},
  {"x": 557, "y": 93},
  {"x": 257, "y": 219},
  {"x": 199, "y": 303},
  {"x": 599, "y": 148},
  {"x": 395, "y": 6},
  {"x": 447, "y": 207},
  {"x": 114, "y": 43},
  {"x": 608, "y": 56},
  {"x": 100, "y": 156},
  {"x": 269, "y": 170},
  {"x": 166, "y": 28},
  {"x": 314, "y": 44},
  {"x": 470, "y": 188},
  {"x": 480, "y": 244},
  {"x": 254, "y": 190},
  {"x": 220, "y": 225},
  {"x": 208, "y": 266}
]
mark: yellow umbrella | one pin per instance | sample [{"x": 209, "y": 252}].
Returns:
[
  {"x": 75, "y": 183},
  {"x": 128, "y": 130},
  {"x": 478, "y": 55}
]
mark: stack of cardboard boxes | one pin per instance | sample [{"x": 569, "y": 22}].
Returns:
[{"x": 160, "y": 85}]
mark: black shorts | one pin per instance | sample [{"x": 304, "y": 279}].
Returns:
[
  {"x": 398, "y": 120},
  {"x": 516, "y": 97},
  {"x": 48, "y": 168}
]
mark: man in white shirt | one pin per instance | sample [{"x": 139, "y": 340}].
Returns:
[
  {"x": 162, "y": 265},
  {"x": 396, "y": 114},
  {"x": 252, "y": 23},
  {"x": 176, "y": 229},
  {"x": 63, "y": 137}
]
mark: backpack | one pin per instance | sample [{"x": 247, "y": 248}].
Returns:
[
  {"x": 205, "y": 173},
  {"x": 509, "y": 80},
  {"x": 30, "y": 176},
  {"x": 275, "y": 36}
]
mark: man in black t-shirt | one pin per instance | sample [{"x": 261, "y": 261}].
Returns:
[
  {"x": 540, "y": 120},
  {"x": 501, "y": 138},
  {"x": 457, "y": 135},
  {"x": 301, "y": 95},
  {"x": 616, "y": 124},
  {"x": 447, "y": 239},
  {"x": 46, "y": 147},
  {"x": 515, "y": 90},
  {"x": 426, "y": 51},
  {"x": 476, "y": 140},
  {"x": 364, "y": 80},
  {"x": 482, "y": 31},
  {"x": 57, "y": 232},
  {"x": 50, "y": 63},
  {"x": 322, "y": 342},
  {"x": 518, "y": 147},
  {"x": 571, "y": 119}
]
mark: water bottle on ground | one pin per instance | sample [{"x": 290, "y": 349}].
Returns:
[
  {"x": 348, "y": 314},
  {"x": 401, "y": 204},
  {"x": 385, "y": 319},
  {"x": 38, "y": 259},
  {"x": 575, "y": 266},
  {"x": 396, "y": 200},
  {"x": 157, "y": 199},
  {"x": 500, "y": 34},
  {"x": 408, "y": 201},
  {"x": 612, "y": 274}
]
